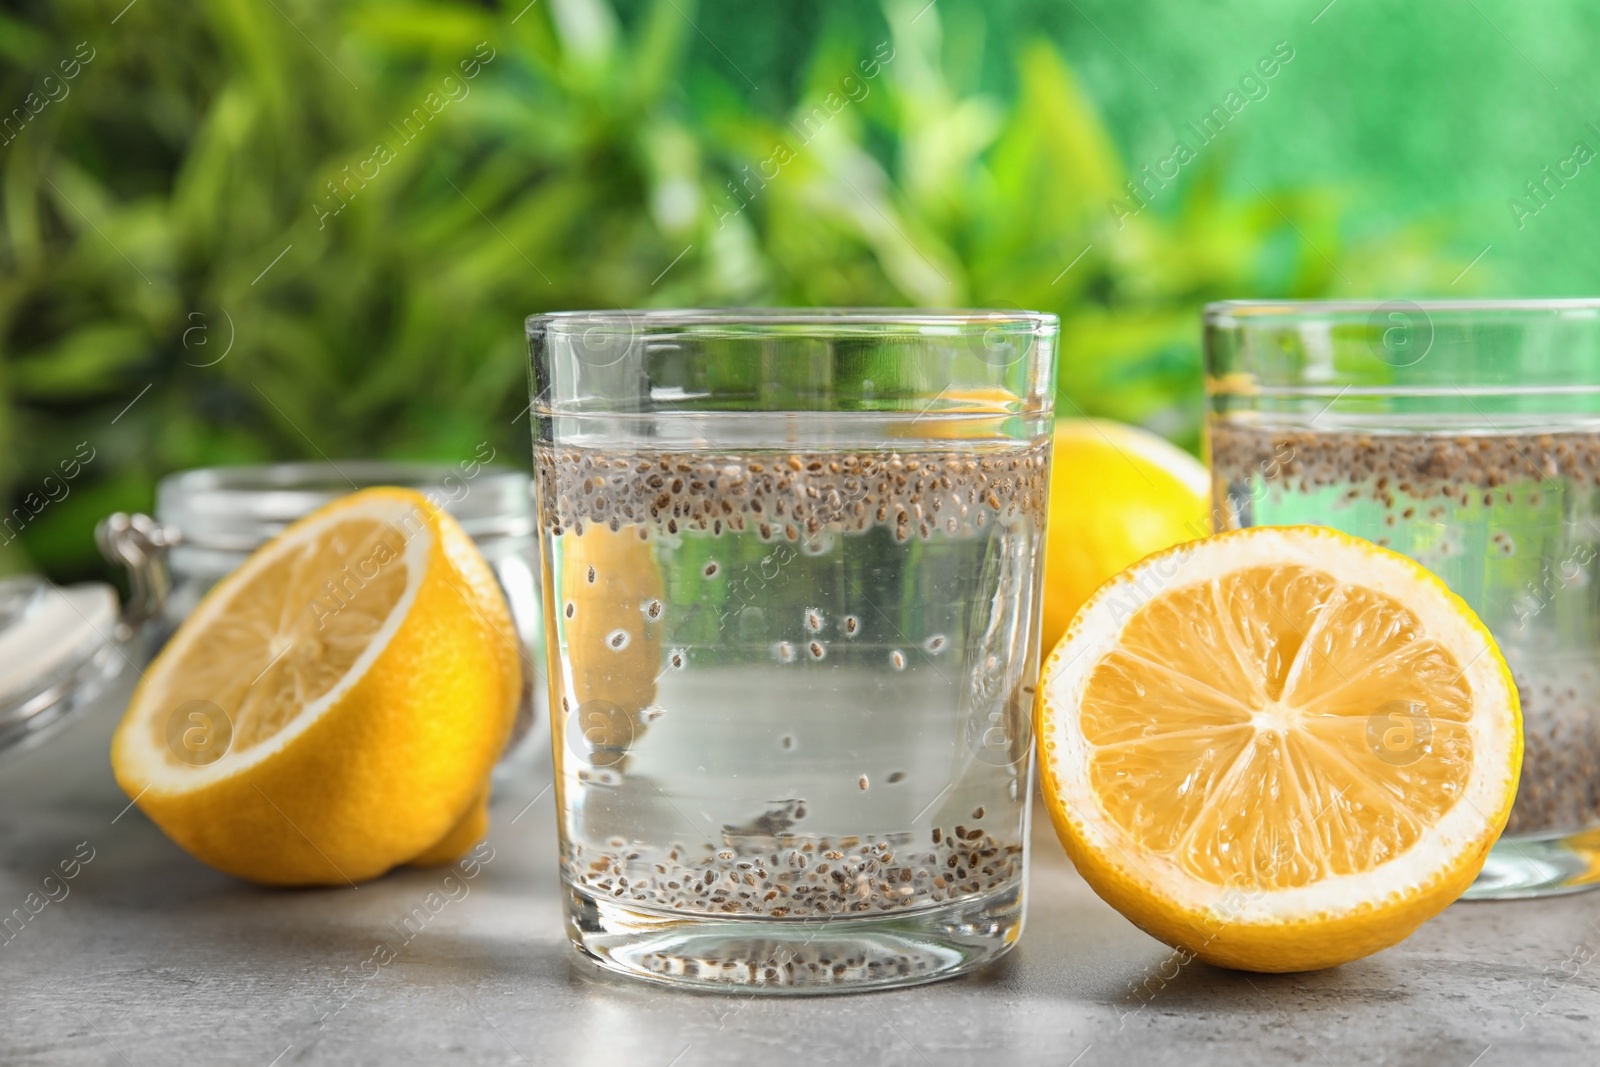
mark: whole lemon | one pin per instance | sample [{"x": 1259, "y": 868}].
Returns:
[
  {"x": 1117, "y": 494},
  {"x": 607, "y": 607}
]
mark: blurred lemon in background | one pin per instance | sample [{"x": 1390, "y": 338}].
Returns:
[
  {"x": 1117, "y": 494},
  {"x": 608, "y": 602}
]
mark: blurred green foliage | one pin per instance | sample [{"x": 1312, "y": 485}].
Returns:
[{"x": 247, "y": 231}]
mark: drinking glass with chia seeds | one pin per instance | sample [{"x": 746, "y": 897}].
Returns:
[
  {"x": 1467, "y": 436},
  {"x": 793, "y": 562}
]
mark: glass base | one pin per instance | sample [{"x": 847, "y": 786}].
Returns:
[
  {"x": 795, "y": 956},
  {"x": 1539, "y": 866}
]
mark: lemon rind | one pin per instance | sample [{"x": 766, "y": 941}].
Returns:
[{"x": 1157, "y": 451}]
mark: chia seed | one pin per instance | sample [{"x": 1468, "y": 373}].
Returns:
[
  {"x": 797, "y": 875},
  {"x": 914, "y": 494}
]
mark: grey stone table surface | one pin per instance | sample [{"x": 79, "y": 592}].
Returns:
[{"x": 147, "y": 958}]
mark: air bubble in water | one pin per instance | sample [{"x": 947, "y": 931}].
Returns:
[{"x": 818, "y": 545}]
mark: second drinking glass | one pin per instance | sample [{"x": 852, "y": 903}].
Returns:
[
  {"x": 1466, "y": 435},
  {"x": 793, "y": 563}
]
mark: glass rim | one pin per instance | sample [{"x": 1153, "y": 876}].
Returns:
[
  {"x": 1247, "y": 312},
  {"x": 1041, "y": 323}
]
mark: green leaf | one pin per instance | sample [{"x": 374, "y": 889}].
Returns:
[{"x": 86, "y": 363}]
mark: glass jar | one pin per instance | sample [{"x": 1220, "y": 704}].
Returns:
[
  {"x": 1465, "y": 435},
  {"x": 58, "y": 653},
  {"x": 209, "y": 520},
  {"x": 793, "y": 562}
]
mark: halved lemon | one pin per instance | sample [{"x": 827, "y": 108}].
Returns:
[
  {"x": 1280, "y": 748},
  {"x": 333, "y": 708}
]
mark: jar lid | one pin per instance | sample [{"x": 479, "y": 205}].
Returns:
[
  {"x": 237, "y": 509},
  {"x": 57, "y": 653}
]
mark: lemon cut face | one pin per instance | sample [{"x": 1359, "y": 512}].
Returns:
[
  {"x": 1279, "y": 748},
  {"x": 332, "y": 708},
  {"x": 284, "y": 644}
]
